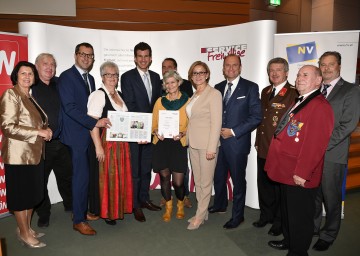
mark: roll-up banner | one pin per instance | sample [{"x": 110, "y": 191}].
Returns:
[{"x": 13, "y": 48}]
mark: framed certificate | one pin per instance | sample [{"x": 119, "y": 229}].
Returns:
[
  {"x": 168, "y": 123},
  {"x": 129, "y": 126}
]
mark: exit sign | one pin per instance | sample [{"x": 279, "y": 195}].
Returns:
[{"x": 274, "y": 2}]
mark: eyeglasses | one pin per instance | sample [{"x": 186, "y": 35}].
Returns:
[
  {"x": 85, "y": 55},
  {"x": 108, "y": 75},
  {"x": 201, "y": 73}
]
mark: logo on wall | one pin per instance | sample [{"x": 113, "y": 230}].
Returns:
[
  {"x": 301, "y": 52},
  {"x": 9, "y": 56},
  {"x": 220, "y": 52}
]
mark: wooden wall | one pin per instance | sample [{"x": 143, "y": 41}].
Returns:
[{"x": 143, "y": 15}]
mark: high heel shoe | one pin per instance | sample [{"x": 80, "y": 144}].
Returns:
[
  {"x": 193, "y": 225},
  {"x": 205, "y": 218},
  {"x": 33, "y": 233},
  {"x": 29, "y": 245}
]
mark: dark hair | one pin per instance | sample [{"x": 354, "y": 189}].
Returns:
[
  {"x": 232, "y": 55},
  {"x": 87, "y": 45},
  {"x": 337, "y": 55},
  {"x": 278, "y": 60},
  {"x": 14, "y": 73},
  {"x": 142, "y": 47},
  {"x": 172, "y": 60}
]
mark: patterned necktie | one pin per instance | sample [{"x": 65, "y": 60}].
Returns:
[
  {"x": 324, "y": 90},
  {"x": 227, "y": 94},
  {"x": 272, "y": 95},
  {"x": 147, "y": 86},
  {"x": 86, "y": 83}
]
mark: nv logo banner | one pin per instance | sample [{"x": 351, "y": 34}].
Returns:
[{"x": 301, "y": 52}]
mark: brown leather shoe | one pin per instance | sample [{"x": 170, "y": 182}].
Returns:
[
  {"x": 187, "y": 202},
  {"x": 84, "y": 228},
  {"x": 139, "y": 215},
  {"x": 91, "y": 217}
]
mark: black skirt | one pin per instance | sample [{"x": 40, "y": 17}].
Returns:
[
  {"x": 24, "y": 186},
  {"x": 169, "y": 154}
]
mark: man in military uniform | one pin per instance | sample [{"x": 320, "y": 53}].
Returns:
[{"x": 275, "y": 100}]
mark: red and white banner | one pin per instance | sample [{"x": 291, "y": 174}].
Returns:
[{"x": 13, "y": 48}]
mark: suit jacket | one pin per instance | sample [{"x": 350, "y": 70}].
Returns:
[
  {"x": 205, "y": 121},
  {"x": 272, "y": 111},
  {"x": 345, "y": 102},
  {"x": 76, "y": 124},
  {"x": 20, "y": 122},
  {"x": 242, "y": 114},
  {"x": 186, "y": 87},
  {"x": 299, "y": 146},
  {"x": 134, "y": 91}
]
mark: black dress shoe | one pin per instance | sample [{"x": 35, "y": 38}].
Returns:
[
  {"x": 260, "y": 223},
  {"x": 321, "y": 245},
  {"x": 279, "y": 245},
  {"x": 231, "y": 224},
  {"x": 43, "y": 222},
  {"x": 212, "y": 209},
  {"x": 150, "y": 206},
  {"x": 110, "y": 222},
  {"x": 139, "y": 215},
  {"x": 275, "y": 232}
]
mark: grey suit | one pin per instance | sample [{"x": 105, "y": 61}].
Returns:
[{"x": 344, "y": 100}]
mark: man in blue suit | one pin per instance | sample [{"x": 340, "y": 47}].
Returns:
[
  {"x": 241, "y": 115},
  {"x": 75, "y": 85},
  {"x": 141, "y": 87}
]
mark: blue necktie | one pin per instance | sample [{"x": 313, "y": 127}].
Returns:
[
  {"x": 324, "y": 90},
  {"x": 227, "y": 94},
  {"x": 86, "y": 83}
]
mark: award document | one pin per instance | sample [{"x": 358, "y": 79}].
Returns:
[
  {"x": 129, "y": 126},
  {"x": 168, "y": 123}
]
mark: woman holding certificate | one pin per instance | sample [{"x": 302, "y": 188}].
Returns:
[
  {"x": 115, "y": 181},
  {"x": 169, "y": 152},
  {"x": 204, "y": 111}
]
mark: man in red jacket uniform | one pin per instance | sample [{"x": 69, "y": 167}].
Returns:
[{"x": 296, "y": 157}]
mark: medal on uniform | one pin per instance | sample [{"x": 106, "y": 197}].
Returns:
[
  {"x": 297, "y": 137},
  {"x": 275, "y": 119}
]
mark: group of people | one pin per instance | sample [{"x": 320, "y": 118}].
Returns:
[{"x": 65, "y": 119}]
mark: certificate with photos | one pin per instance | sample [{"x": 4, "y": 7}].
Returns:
[
  {"x": 129, "y": 126},
  {"x": 168, "y": 123}
]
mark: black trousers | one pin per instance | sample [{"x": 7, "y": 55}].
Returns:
[
  {"x": 94, "y": 190},
  {"x": 57, "y": 159},
  {"x": 297, "y": 212},
  {"x": 269, "y": 196}
]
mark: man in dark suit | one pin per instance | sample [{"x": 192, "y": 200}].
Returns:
[
  {"x": 58, "y": 157},
  {"x": 344, "y": 99},
  {"x": 295, "y": 159},
  {"x": 75, "y": 85},
  {"x": 171, "y": 64},
  {"x": 241, "y": 115},
  {"x": 141, "y": 87},
  {"x": 275, "y": 101}
]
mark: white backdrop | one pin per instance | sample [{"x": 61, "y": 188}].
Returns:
[{"x": 253, "y": 41}]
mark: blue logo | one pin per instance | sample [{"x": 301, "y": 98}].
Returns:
[{"x": 301, "y": 52}]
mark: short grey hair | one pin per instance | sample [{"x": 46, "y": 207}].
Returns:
[
  {"x": 43, "y": 55},
  {"x": 174, "y": 74},
  {"x": 108, "y": 64},
  {"x": 278, "y": 60}
]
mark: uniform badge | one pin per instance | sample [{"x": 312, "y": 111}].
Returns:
[
  {"x": 294, "y": 128},
  {"x": 282, "y": 91},
  {"x": 277, "y": 105},
  {"x": 275, "y": 120}
]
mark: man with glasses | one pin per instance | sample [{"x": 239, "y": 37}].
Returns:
[
  {"x": 241, "y": 115},
  {"x": 141, "y": 87},
  {"x": 75, "y": 85}
]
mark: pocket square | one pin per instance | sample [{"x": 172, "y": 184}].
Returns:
[{"x": 241, "y": 97}]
